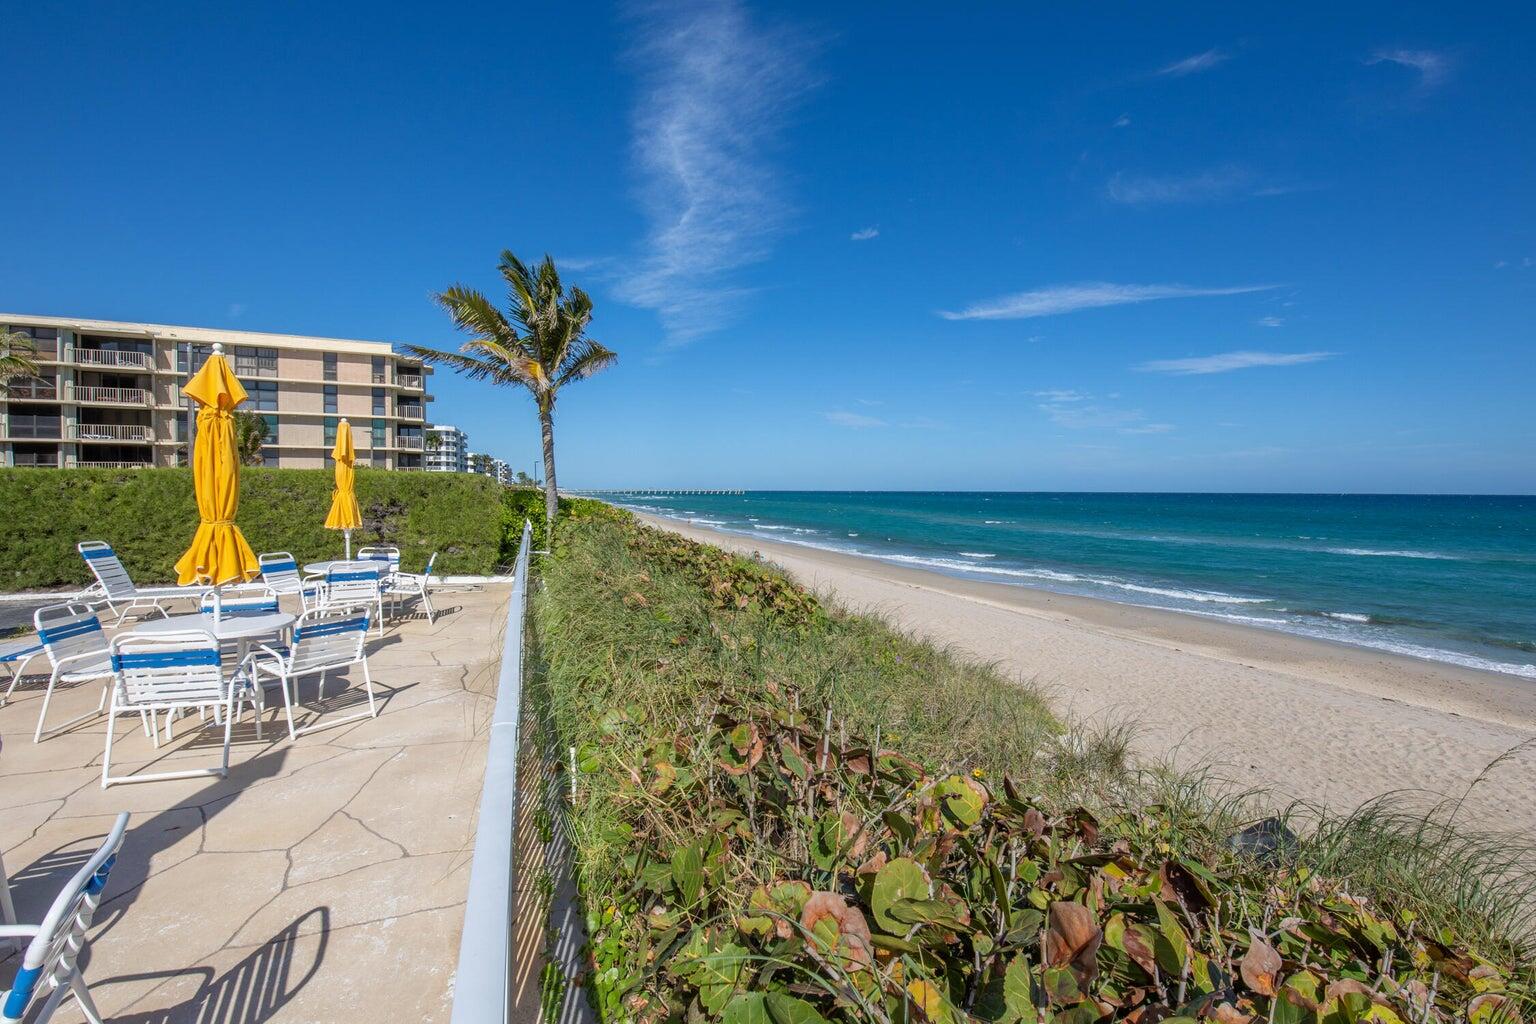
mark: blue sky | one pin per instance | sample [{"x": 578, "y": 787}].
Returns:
[{"x": 837, "y": 246}]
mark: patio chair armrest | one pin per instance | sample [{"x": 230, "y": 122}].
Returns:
[
  {"x": 253, "y": 658},
  {"x": 82, "y": 656},
  {"x": 19, "y": 931}
]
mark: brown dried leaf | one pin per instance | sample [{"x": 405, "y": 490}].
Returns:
[
  {"x": 1072, "y": 939},
  {"x": 1261, "y": 965}
]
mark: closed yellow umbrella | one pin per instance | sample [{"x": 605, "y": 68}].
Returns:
[
  {"x": 219, "y": 553},
  {"x": 344, "y": 515}
]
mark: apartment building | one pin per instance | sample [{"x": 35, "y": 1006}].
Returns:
[
  {"x": 447, "y": 450},
  {"x": 491, "y": 466},
  {"x": 108, "y": 394}
]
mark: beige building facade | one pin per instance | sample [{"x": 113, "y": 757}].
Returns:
[{"x": 108, "y": 394}]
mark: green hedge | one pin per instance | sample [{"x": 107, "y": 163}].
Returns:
[{"x": 148, "y": 515}]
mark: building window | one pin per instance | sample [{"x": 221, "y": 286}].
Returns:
[
  {"x": 190, "y": 358},
  {"x": 263, "y": 395},
  {"x": 380, "y": 434},
  {"x": 255, "y": 362},
  {"x": 269, "y": 457},
  {"x": 271, "y": 422},
  {"x": 45, "y": 338},
  {"x": 330, "y": 398},
  {"x": 330, "y": 432},
  {"x": 378, "y": 401},
  {"x": 378, "y": 369},
  {"x": 330, "y": 366}
]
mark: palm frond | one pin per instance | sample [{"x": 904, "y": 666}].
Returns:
[
  {"x": 473, "y": 312},
  {"x": 586, "y": 359},
  {"x": 475, "y": 369}
]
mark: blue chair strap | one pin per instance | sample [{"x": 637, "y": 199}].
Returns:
[
  {"x": 331, "y": 628},
  {"x": 165, "y": 659},
  {"x": 55, "y": 634},
  {"x": 21, "y": 992},
  {"x": 98, "y": 880},
  {"x": 242, "y": 607},
  {"x": 17, "y": 650},
  {"x": 94, "y": 553},
  {"x": 284, "y": 566},
  {"x": 351, "y": 577}
]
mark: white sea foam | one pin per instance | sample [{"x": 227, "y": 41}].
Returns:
[
  {"x": 706, "y": 522},
  {"x": 1348, "y": 616},
  {"x": 978, "y": 554},
  {"x": 993, "y": 522},
  {"x": 1373, "y": 553},
  {"x": 853, "y": 535}
]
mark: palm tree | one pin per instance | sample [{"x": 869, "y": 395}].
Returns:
[
  {"x": 16, "y": 352},
  {"x": 250, "y": 435},
  {"x": 539, "y": 344}
]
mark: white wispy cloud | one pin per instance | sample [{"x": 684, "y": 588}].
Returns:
[
  {"x": 1123, "y": 121},
  {"x": 1194, "y": 64},
  {"x": 855, "y": 420},
  {"x": 1270, "y": 321},
  {"x": 717, "y": 89},
  {"x": 236, "y": 310},
  {"x": 864, "y": 234},
  {"x": 1226, "y": 362},
  {"x": 1213, "y": 185},
  {"x": 1069, "y": 298},
  {"x": 1077, "y": 411},
  {"x": 582, "y": 262},
  {"x": 1433, "y": 67}
]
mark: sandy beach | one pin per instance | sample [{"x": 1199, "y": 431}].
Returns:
[{"x": 1303, "y": 719}]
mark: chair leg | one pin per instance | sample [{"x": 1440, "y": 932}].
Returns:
[
  {"x": 293, "y": 733},
  {"x": 373, "y": 710},
  {"x": 83, "y": 995},
  {"x": 106, "y": 757},
  {"x": 53, "y": 678},
  {"x": 427, "y": 602},
  {"x": 229, "y": 724},
  {"x": 321, "y": 691}
]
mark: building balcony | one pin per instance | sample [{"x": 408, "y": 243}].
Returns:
[
  {"x": 25, "y": 461},
  {"x": 106, "y": 357},
  {"x": 412, "y": 443},
  {"x": 106, "y": 396},
  {"x": 409, "y": 412},
  {"x": 83, "y": 464},
  {"x": 42, "y": 391},
  {"x": 112, "y": 432},
  {"x": 34, "y": 428},
  {"x": 408, "y": 380}
]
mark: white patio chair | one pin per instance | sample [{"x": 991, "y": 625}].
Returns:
[
  {"x": 51, "y": 963},
  {"x": 324, "y": 640},
  {"x": 354, "y": 588},
  {"x": 388, "y": 555},
  {"x": 77, "y": 649},
  {"x": 115, "y": 587},
  {"x": 405, "y": 585},
  {"x": 172, "y": 672},
  {"x": 18, "y": 653},
  {"x": 280, "y": 574}
]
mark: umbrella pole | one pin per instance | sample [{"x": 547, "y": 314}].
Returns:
[{"x": 347, "y": 536}]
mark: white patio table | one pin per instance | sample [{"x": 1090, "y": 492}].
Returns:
[{"x": 342, "y": 565}]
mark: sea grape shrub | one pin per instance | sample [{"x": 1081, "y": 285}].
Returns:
[
  {"x": 779, "y": 871},
  {"x": 732, "y": 582}
]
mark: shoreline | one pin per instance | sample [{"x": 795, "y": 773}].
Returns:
[{"x": 1308, "y": 719}]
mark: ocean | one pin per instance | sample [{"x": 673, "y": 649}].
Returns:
[{"x": 1449, "y": 578}]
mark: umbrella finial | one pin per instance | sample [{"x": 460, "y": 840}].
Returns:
[{"x": 218, "y": 348}]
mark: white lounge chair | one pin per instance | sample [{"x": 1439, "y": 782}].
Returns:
[
  {"x": 280, "y": 574},
  {"x": 405, "y": 585},
  {"x": 50, "y": 967},
  {"x": 18, "y": 653},
  {"x": 115, "y": 587},
  {"x": 324, "y": 640},
  {"x": 172, "y": 672},
  {"x": 354, "y": 588},
  {"x": 77, "y": 649}
]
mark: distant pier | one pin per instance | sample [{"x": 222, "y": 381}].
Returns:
[{"x": 663, "y": 491}]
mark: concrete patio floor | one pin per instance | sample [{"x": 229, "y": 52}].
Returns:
[{"x": 323, "y": 880}]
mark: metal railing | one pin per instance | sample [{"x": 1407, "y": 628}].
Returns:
[
  {"x": 83, "y": 464},
  {"x": 482, "y": 990},
  {"x": 408, "y": 380},
  {"x": 112, "y": 396},
  {"x": 111, "y": 432},
  {"x": 109, "y": 357},
  {"x": 413, "y": 443}
]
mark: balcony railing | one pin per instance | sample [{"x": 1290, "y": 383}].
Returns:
[
  {"x": 110, "y": 396},
  {"x": 410, "y": 412},
  {"x": 109, "y": 357},
  {"x": 408, "y": 380},
  {"x": 44, "y": 392},
  {"x": 413, "y": 443},
  {"x": 35, "y": 461},
  {"x": 112, "y": 432},
  {"x": 113, "y": 465}
]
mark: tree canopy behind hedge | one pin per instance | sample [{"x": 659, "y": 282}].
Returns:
[{"x": 148, "y": 516}]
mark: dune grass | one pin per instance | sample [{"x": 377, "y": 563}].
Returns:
[{"x": 649, "y": 647}]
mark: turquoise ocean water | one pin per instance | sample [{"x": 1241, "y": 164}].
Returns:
[{"x": 1448, "y": 578}]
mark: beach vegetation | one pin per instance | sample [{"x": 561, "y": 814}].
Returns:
[
  {"x": 17, "y": 358},
  {"x": 787, "y": 813},
  {"x": 250, "y": 435},
  {"x": 538, "y": 344}
]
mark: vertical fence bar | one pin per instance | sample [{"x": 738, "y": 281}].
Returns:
[{"x": 482, "y": 988}]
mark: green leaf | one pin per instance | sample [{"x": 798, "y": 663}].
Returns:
[
  {"x": 787, "y": 1009},
  {"x": 901, "y": 879},
  {"x": 748, "y": 1008},
  {"x": 688, "y": 874},
  {"x": 827, "y": 840},
  {"x": 1018, "y": 993}
]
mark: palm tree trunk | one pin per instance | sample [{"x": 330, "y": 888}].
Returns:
[{"x": 551, "y": 493}]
